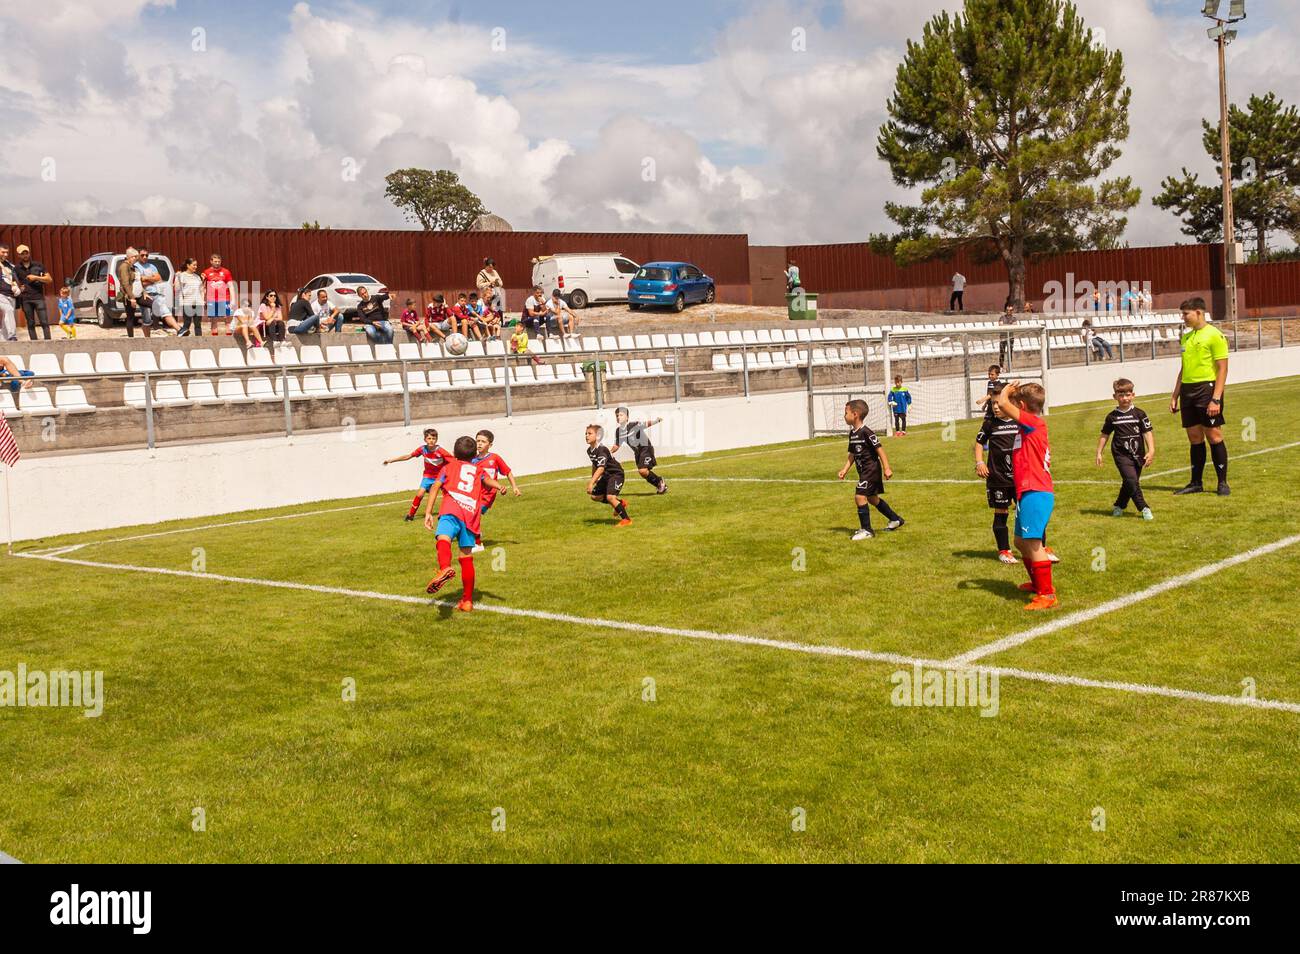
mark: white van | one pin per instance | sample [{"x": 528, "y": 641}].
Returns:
[{"x": 584, "y": 277}]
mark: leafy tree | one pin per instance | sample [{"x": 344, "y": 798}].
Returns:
[
  {"x": 1007, "y": 113},
  {"x": 1265, "y": 143},
  {"x": 435, "y": 199},
  {"x": 314, "y": 226}
]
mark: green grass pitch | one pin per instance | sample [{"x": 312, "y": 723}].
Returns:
[{"x": 501, "y": 737}]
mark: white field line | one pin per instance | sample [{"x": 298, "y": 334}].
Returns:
[
  {"x": 1231, "y": 458},
  {"x": 8, "y": 859},
  {"x": 702, "y": 634},
  {"x": 1123, "y": 602}
]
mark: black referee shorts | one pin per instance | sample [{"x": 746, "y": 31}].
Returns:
[{"x": 1194, "y": 401}]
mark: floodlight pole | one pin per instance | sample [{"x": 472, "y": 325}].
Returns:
[{"x": 1229, "y": 226}]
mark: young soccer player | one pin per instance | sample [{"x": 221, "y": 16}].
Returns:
[
  {"x": 1031, "y": 462},
  {"x": 462, "y": 484},
  {"x": 67, "y": 313},
  {"x": 606, "y": 475},
  {"x": 1133, "y": 447},
  {"x": 413, "y": 323},
  {"x": 873, "y": 470},
  {"x": 995, "y": 385},
  {"x": 493, "y": 466},
  {"x": 997, "y": 438},
  {"x": 633, "y": 434},
  {"x": 900, "y": 399},
  {"x": 435, "y": 458}
]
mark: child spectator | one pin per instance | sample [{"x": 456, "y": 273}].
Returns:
[
  {"x": 900, "y": 399},
  {"x": 67, "y": 314},
  {"x": 412, "y": 324}
]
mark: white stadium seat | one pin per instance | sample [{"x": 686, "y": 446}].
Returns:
[
  {"x": 169, "y": 393},
  {"x": 78, "y": 362},
  {"x": 72, "y": 398},
  {"x": 173, "y": 360},
  {"x": 140, "y": 361},
  {"x": 35, "y": 400},
  {"x": 232, "y": 390},
  {"x": 231, "y": 358},
  {"x": 40, "y": 364},
  {"x": 201, "y": 391},
  {"x": 202, "y": 359},
  {"x": 341, "y": 383},
  {"x": 259, "y": 388}
]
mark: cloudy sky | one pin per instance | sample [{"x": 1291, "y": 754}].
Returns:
[{"x": 681, "y": 115}]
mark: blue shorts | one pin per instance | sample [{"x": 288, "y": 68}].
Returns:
[
  {"x": 218, "y": 309},
  {"x": 454, "y": 527},
  {"x": 16, "y": 384},
  {"x": 1033, "y": 510},
  {"x": 427, "y": 484}
]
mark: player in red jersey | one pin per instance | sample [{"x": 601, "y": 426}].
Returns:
[
  {"x": 1031, "y": 463},
  {"x": 434, "y": 459},
  {"x": 494, "y": 467},
  {"x": 462, "y": 484}
]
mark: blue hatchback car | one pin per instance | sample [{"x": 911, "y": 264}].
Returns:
[{"x": 671, "y": 284}]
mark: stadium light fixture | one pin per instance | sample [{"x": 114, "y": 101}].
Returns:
[
  {"x": 1237, "y": 10},
  {"x": 1211, "y": 8}
]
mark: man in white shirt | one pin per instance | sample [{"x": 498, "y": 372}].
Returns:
[
  {"x": 955, "y": 301},
  {"x": 557, "y": 309}
]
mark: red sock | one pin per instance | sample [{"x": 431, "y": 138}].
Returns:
[
  {"x": 1029, "y": 568},
  {"x": 444, "y": 554},
  {"x": 415, "y": 504},
  {"x": 1042, "y": 574},
  {"x": 467, "y": 576}
]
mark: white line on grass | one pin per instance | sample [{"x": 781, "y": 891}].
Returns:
[
  {"x": 703, "y": 634},
  {"x": 1123, "y": 602},
  {"x": 8, "y": 859}
]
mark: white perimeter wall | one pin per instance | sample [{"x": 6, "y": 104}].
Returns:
[{"x": 99, "y": 490}]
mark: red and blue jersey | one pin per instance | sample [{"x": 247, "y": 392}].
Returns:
[
  {"x": 462, "y": 492},
  {"x": 434, "y": 459},
  {"x": 1031, "y": 458},
  {"x": 492, "y": 466}
]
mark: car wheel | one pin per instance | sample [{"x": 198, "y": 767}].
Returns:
[
  {"x": 679, "y": 303},
  {"x": 633, "y": 306},
  {"x": 102, "y": 316},
  {"x": 709, "y": 295},
  {"x": 577, "y": 298}
]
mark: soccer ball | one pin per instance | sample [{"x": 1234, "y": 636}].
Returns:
[{"x": 456, "y": 344}]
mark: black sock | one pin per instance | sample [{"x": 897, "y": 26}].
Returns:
[
  {"x": 1198, "y": 462},
  {"x": 1000, "y": 532},
  {"x": 621, "y": 510},
  {"x": 654, "y": 480},
  {"x": 1219, "y": 454},
  {"x": 864, "y": 517},
  {"x": 887, "y": 511}
]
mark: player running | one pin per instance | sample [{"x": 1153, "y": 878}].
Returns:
[
  {"x": 1031, "y": 462},
  {"x": 633, "y": 434},
  {"x": 997, "y": 438},
  {"x": 606, "y": 475},
  {"x": 434, "y": 459},
  {"x": 873, "y": 470},
  {"x": 494, "y": 467},
  {"x": 1133, "y": 448},
  {"x": 462, "y": 483}
]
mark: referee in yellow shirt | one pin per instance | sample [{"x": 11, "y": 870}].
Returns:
[{"x": 1199, "y": 390}]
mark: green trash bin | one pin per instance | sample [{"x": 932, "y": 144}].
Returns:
[{"x": 801, "y": 306}]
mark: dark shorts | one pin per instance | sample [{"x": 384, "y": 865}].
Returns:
[
  {"x": 1001, "y": 496},
  {"x": 645, "y": 458},
  {"x": 870, "y": 485},
  {"x": 1193, "y": 399},
  {"x": 608, "y": 484}
]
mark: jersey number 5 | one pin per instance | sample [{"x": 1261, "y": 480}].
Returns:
[{"x": 468, "y": 475}]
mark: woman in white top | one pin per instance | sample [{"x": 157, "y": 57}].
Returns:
[{"x": 188, "y": 294}]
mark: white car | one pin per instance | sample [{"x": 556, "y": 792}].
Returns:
[
  {"x": 341, "y": 287},
  {"x": 584, "y": 277}
]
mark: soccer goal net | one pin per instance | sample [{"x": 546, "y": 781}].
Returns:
[{"x": 945, "y": 373}]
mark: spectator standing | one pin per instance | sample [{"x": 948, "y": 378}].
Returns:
[
  {"x": 129, "y": 293},
  {"x": 792, "y": 280},
  {"x": 957, "y": 300},
  {"x": 32, "y": 281},
  {"x": 8, "y": 297},
  {"x": 218, "y": 292},
  {"x": 490, "y": 287},
  {"x": 67, "y": 313},
  {"x": 188, "y": 292},
  {"x": 1008, "y": 346},
  {"x": 370, "y": 310}
]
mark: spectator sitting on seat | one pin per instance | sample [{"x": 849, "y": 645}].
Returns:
[
  {"x": 299, "y": 310},
  {"x": 438, "y": 319},
  {"x": 15, "y": 377},
  {"x": 270, "y": 319},
  {"x": 519, "y": 344},
  {"x": 490, "y": 320},
  {"x": 1092, "y": 340},
  {"x": 534, "y": 313},
  {"x": 412, "y": 323},
  {"x": 243, "y": 324},
  {"x": 470, "y": 326},
  {"x": 557, "y": 309},
  {"x": 155, "y": 293},
  {"x": 370, "y": 311}
]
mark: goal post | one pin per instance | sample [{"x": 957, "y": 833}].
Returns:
[{"x": 945, "y": 371}]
